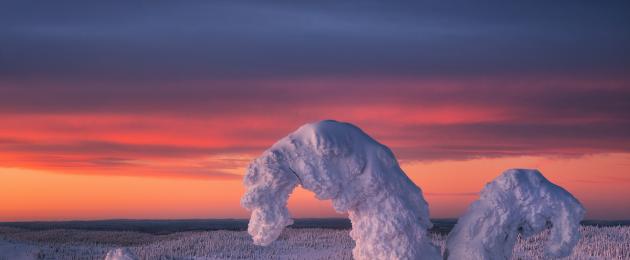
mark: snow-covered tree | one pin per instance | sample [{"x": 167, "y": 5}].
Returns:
[
  {"x": 520, "y": 201},
  {"x": 339, "y": 162},
  {"x": 120, "y": 254}
]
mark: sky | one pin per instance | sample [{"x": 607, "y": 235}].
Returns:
[{"x": 153, "y": 109}]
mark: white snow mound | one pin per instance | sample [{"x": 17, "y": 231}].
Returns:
[
  {"x": 338, "y": 161},
  {"x": 520, "y": 201},
  {"x": 120, "y": 254}
]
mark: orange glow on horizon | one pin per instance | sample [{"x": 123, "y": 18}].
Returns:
[{"x": 449, "y": 186}]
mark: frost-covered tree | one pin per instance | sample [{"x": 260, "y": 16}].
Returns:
[
  {"x": 520, "y": 201},
  {"x": 120, "y": 254},
  {"x": 339, "y": 162}
]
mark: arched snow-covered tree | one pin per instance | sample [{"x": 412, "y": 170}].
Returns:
[
  {"x": 339, "y": 162},
  {"x": 520, "y": 201}
]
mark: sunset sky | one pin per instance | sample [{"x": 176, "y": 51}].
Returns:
[{"x": 130, "y": 109}]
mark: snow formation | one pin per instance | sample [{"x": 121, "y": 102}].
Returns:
[
  {"x": 120, "y": 254},
  {"x": 520, "y": 201},
  {"x": 339, "y": 162}
]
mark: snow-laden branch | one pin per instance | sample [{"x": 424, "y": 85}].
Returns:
[
  {"x": 520, "y": 201},
  {"x": 338, "y": 161}
]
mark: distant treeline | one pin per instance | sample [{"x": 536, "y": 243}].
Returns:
[{"x": 160, "y": 227}]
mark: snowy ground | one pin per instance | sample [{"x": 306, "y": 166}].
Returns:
[{"x": 596, "y": 243}]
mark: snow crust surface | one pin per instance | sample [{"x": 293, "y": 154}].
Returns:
[
  {"x": 120, "y": 254},
  {"x": 520, "y": 201},
  {"x": 339, "y": 162}
]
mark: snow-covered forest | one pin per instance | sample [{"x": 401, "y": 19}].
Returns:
[{"x": 595, "y": 243}]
